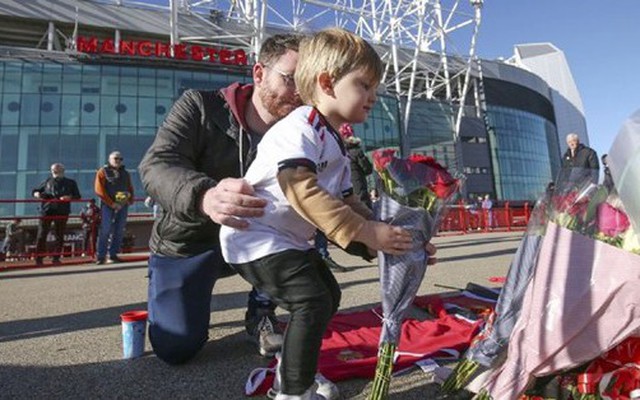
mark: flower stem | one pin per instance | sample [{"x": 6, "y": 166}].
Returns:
[
  {"x": 460, "y": 376},
  {"x": 384, "y": 368}
]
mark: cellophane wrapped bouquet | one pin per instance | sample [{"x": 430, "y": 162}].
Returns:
[
  {"x": 581, "y": 297},
  {"x": 413, "y": 194}
]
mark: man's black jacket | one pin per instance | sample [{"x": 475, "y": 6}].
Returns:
[
  {"x": 54, "y": 188},
  {"x": 196, "y": 146}
]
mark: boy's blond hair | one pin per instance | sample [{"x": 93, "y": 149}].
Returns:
[{"x": 337, "y": 52}]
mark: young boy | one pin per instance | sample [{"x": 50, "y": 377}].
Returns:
[{"x": 302, "y": 170}]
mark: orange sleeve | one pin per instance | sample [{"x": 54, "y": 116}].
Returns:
[
  {"x": 98, "y": 187},
  {"x": 130, "y": 189},
  {"x": 331, "y": 215}
]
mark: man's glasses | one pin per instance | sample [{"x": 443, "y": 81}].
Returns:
[
  {"x": 118, "y": 158},
  {"x": 287, "y": 78}
]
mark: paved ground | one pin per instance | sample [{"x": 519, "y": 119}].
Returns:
[{"x": 60, "y": 330}]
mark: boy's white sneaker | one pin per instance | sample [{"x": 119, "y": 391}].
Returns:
[
  {"x": 326, "y": 388},
  {"x": 309, "y": 394},
  {"x": 322, "y": 388}
]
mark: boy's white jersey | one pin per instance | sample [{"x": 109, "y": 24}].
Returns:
[{"x": 303, "y": 138}]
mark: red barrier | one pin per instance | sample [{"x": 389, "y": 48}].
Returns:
[
  {"x": 79, "y": 235},
  {"x": 462, "y": 219},
  {"x": 77, "y": 248}
]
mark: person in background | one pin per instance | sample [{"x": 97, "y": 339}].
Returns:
[
  {"x": 90, "y": 217},
  {"x": 206, "y": 144},
  {"x": 608, "y": 179},
  {"x": 487, "y": 205},
  {"x": 374, "y": 196},
  {"x": 322, "y": 246},
  {"x": 56, "y": 192},
  {"x": 156, "y": 210},
  {"x": 14, "y": 240},
  {"x": 579, "y": 162},
  {"x": 361, "y": 167},
  {"x": 113, "y": 186}
]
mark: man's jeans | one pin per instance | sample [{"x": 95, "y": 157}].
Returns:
[
  {"x": 179, "y": 302},
  {"x": 111, "y": 231}
]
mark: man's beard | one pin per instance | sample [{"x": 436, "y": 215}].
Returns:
[{"x": 279, "y": 107}]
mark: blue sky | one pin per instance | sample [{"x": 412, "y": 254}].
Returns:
[{"x": 600, "y": 39}]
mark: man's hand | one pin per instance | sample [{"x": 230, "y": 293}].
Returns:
[
  {"x": 384, "y": 237},
  {"x": 36, "y": 195},
  {"x": 231, "y": 200},
  {"x": 117, "y": 207},
  {"x": 65, "y": 198}
]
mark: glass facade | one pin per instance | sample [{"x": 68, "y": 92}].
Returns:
[
  {"x": 430, "y": 131},
  {"x": 525, "y": 158},
  {"x": 78, "y": 113},
  {"x": 382, "y": 128}
]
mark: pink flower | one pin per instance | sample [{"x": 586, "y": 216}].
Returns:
[
  {"x": 611, "y": 221},
  {"x": 346, "y": 131}
]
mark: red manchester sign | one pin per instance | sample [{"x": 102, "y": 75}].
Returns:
[{"x": 146, "y": 48}]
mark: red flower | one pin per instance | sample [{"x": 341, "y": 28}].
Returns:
[
  {"x": 422, "y": 159},
  {"x": 444, "y": 186},
  {"x": 570, "y": 203},
  {"x": 381, "y": 158}
]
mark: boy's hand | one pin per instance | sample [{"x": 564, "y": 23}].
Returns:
[{"x": 384, "y": 237}]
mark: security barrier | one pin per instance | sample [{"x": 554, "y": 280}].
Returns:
[
  {"x": 462, "y": 219},
  {"x": 79, "y": 233},
  {"x": 79, "y": 240}
]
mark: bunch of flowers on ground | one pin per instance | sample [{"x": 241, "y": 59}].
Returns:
[
  {"x": 594, "y": 211},
  {"x": 581, "y": 264}
]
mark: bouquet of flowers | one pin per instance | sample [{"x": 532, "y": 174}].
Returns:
[
  {"x": 122, "y": 197},
  {"x": 413, "y": 193},
  {"x": 491, "y": 343},
  {"x": 593, "y": 211},
  {"x": 580, "y": 299}
]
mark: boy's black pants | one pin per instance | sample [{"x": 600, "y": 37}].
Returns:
[{"x": 301, "y": 283}]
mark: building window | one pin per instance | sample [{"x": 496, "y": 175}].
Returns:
[{"x": 47, "y": 106}]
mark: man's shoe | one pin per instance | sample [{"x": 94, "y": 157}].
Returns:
[
  {"x": 100, "y": 261},
  {"x": 265, "y": 331},
  {"x": 334, "y": 265},
  {"x": 115, "y": 259}
]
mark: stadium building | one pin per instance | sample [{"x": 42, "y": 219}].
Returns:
[{"x": 81, "y": 78}]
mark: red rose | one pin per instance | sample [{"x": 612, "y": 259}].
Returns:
[{"x": 381, "y": 158}]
